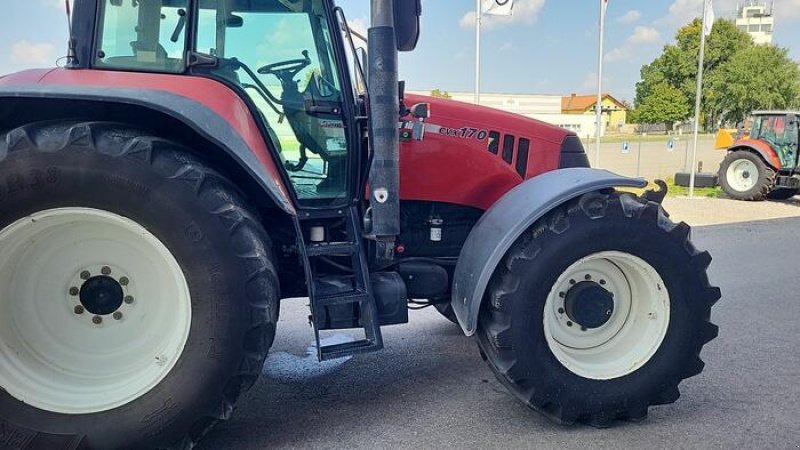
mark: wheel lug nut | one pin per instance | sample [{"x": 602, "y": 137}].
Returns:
[
  {"x": 588, "y": 277},
  {"x": 583, "y": 328},
  {"x": 603, "y": 282},
  {"x": 73, "y": 291},
  {"x": 569, "y": 323},
  {"x": 562, "y": 294},
  {"x": 79, "y": 310},
  {"x": 561, "y": 310},
  {"x": 97, "y": 320},
  {"x": 85, "y": 275},
  {"x": 571, "y": 281},
  {"x": 117, "y": 315},
  {"x": 129, "y": 299},
  {"x": 106, "y": 270},
  {"x": 124, "y": 281}
]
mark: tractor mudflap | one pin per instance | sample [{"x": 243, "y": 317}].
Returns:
[{"x": 507, "y": 220}]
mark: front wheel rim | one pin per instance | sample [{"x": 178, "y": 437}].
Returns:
[
  {"x": 95, "y": 311},
  {"x": 742, "y": 175},
  {"x": 607, "y": 347}
]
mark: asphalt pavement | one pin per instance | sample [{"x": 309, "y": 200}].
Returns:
[{"x": 430, "y": 389}]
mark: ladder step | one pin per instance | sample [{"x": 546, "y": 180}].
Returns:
[
  {"x": 342, "y": 299},
  {"x": 334, "y": 248},
  {"x": 348, "y": 349}
]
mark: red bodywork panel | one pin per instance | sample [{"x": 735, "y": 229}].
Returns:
[
  {"x": 761, "y": 148},
  {"x": 211, "y": 94},
  {"x": 454, "y": 165}
]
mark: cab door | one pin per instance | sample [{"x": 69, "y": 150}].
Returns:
[{"x": 282, "y": 57}]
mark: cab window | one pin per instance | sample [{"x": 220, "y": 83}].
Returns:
[{"x": 143, "y": 35}]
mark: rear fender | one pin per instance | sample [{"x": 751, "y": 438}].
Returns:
[
  {"x": 507, "y": 220},
  {"x": 199, "y": 118},
  {"x": 762, "y": 149}
]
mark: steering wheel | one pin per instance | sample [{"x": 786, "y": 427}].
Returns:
[{"x": 286, "y": 70}]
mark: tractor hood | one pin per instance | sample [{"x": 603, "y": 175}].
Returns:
[{"x": 472, "y": 155}]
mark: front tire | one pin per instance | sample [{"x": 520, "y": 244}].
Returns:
[
  {"x": 136, "y": 289},
  {"x": 598, "y": 311},
  {"x": 743, "y": 175}
]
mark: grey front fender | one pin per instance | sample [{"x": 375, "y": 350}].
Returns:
[{"x": 507, "y": 219}]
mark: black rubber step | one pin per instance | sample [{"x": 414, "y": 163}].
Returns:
[
  {"x": 334, "y": 248},
  {"x": 348, "y": 349},
  {"x": 342, "y": 299}
]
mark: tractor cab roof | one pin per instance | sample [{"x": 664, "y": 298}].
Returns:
[{"x": 775, "y": 113}]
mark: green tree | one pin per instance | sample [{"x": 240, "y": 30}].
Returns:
[
  {"x": 665, "y": 104},
  {"x": 440, "y": 93},
  {"x": 759, "y": 77},
  {"x": 677, "y": 65}
]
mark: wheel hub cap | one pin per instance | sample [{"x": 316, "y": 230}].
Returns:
[
  {"x": 606, "y": 315},
  {"x": 589, "y": 305},
  {"x": 101, "y": 295}
]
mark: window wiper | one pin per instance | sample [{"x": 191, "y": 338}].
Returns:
[{"x": 180, "y": 26}]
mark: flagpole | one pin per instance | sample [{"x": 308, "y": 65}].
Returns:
[
  {"x": 698, "y": 98},
  {"x": 478, "y": 52},
  {"x": 599, "y": 105}
]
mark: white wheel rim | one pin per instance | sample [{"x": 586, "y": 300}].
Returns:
[
  {"x": 742, "y": 175},
  {"x": 57, "y": 359},
  {"x": 634, "y": 330}
]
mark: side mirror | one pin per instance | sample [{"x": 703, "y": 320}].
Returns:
[
  {"x": 406, "y": 23},
  {"x": 421, "y": 111},
  {"x": 234, "y": 21}
]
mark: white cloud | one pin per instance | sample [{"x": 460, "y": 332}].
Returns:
[
  {"x": 682, "y": 11},
  {"x": 525, "y": 11},
  {"x": 630, "y": 16},
  {"x": 644, "y": 35},
  {"x": 30, "y": 54},
  {"x": 507, "y": 46},
  {"x": 641, "y": 36},
  {"x": 619, "y": 54}
]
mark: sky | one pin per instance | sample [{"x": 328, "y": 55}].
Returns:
[{"x": 547, "y": 47}]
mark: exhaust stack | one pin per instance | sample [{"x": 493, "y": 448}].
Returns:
[{"x": 384, "y": 138}]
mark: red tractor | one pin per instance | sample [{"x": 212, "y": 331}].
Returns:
[
  {"x": 200, "y": 160},
  {"x": 765, "y": 163}
]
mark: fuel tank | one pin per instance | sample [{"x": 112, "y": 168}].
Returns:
[{"x": 471, "y": 155}]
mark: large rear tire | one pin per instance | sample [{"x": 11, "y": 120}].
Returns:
[
  {"x": 138, "y": 298},
  {"x": 599, "y": 311},
  {"x": 743, "y": 175}
]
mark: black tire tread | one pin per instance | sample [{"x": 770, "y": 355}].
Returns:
[
  {"x": 137, "y": 146},
  {"x": 766, "y": 180},
  {"x": 495, "y": 316}
]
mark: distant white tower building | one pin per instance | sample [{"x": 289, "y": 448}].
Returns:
[{"x": 757, "y": 20}]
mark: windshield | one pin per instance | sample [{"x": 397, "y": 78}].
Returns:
[{"x": 281, "y": 54}]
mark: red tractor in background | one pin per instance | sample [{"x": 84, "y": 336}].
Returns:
[
  {"x": 200, "y": 160},
  {"x": 764, "y": 164}
]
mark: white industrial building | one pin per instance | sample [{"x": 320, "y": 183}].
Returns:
[
  {"x": 757, "y": 20},
  {"x": 546, "y": 108}
]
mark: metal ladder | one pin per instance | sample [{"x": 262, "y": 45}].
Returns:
[{"x": 358, "y": 292}]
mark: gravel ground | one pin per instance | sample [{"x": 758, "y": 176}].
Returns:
[{"x": 715, "y": 211}]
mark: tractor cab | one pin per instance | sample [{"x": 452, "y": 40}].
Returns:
[
  {"x": 764, "y": 164},
  {"x": 779, "y": 130}
]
